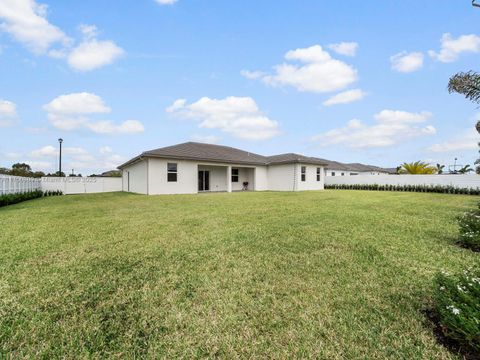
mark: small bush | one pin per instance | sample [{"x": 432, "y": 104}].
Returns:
[
  {"x": 10, "y": 199},
  {"x": 469, "y": 224},
  {"x": 411, "y": 188},
  {"x": 457, "y": 306}
]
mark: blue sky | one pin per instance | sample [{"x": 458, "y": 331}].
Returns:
[{"x": 116, "y": 78}]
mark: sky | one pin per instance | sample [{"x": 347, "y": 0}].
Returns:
[{"x": 348, "y": 81}]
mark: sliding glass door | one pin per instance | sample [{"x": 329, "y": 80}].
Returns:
[{"x": 203, "y": 180}]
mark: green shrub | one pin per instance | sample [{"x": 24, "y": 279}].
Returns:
[
  {"x": 457, "y": 306},
  {"x": 469, "y": 224},
  {"x": 412, "y": 188},
  {"x": 10, "y": 199}
]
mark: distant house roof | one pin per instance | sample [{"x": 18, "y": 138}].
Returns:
[
  {"x": 363, "y": 167},
  {"x": 226, "y": 154}
]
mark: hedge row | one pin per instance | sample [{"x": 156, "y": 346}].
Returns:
[
  {"x": 409, "y": 188},
  {"x": 10, "y": 199}
]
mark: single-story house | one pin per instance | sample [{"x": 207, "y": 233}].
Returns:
[
  {"x": 334, "y": 168},
  {"x": 192, "y": 167}
]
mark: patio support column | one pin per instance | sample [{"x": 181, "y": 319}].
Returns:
[{"x": 229, "y": 178}]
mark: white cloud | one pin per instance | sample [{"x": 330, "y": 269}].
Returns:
[
  {"x": 88, "y": 31},
  {"x": 166, "y": 2},
  {"x": 8, "y": 113},
  {"x": 45, "y": 166},
  {"x": 209, "y": 139},
  {"x": 317, "y": 72},
  {"x": 77, "y": 103},
  {"x": 345, "y": 97},
  {"x": 467, "y": 141},
  {"x": 73, "y": 111},
  {"x": 451, "y": 48},
  {"x": 397, "y": 116},
  {"x": 252, "y": 75},
  {"x": 391, "y": 128},
  {"x": 109, "y": 127},
  {"x": 105, "y": 150},
  {"x": 46, "y": 151},
  {"x": 26, "y": 21},
  {"x": 51, "y": 151},
  {"x": 407, "y": 62},
  {"x": 92, "y": 54},
  {"x": 345, "y": 48},
  {"x": 76, "y": 158},
  {"x": 237, "y": 116}
]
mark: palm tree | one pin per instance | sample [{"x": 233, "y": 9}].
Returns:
[
  {"x": 440, "y": 168},
  {"x": 417, "y": 167},
  {"x": 467, "y": 84},
  {"x": 465, "y": 170}
]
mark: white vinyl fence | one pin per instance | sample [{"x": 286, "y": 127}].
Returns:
[
  {"x": 18, "y": 184},
  {"x": 82, "y": 185},
  {"x": 460, "y": 181},
  {"x": 68, "y": 185}
]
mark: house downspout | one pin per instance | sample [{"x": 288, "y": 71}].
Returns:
[
  {"x": 148, "y": 176},
  {"x": 295, "y": 177}
]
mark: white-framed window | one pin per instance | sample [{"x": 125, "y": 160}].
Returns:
[
  {"x": 319, "y": 172},
  {"x": 235, "y": 175},
  {"x": 343, "y": 174},
  {"x": 333, "y": 173},
  {"x": 304, "y": 173},
  {"x": 172, "y": 172}
]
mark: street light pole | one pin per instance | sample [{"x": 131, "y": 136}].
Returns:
[
  {"x": 60, "y": 141},
  {"x": 474, "y": 3}
]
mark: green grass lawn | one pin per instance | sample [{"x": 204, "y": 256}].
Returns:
[{"x": 331, "y": 275}]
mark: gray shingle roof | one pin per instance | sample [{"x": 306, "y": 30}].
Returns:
[
  {"x": 294, "y": 158},
  {"x": 204, "y": 152},
  {"x": 226, "y": 154}
]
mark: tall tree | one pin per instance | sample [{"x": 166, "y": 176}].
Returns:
[
  {"x": 21, "y": 169},
  {"x": 467, "y": 84}
]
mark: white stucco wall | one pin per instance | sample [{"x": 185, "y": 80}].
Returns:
[
  {"x": 310, "y": 182},
  {"x": 136, "y": 176},
  {"x": 187, "y": 177},
  {"x": 285, "y": 177},
  {"x": 261, "y": 178},
  {"x": 281, "y": 177}
]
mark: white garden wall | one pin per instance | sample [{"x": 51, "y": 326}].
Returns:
[
  {"x": 461, "y": 181},
  {"x": 67, "y": 185},
  {"x": 81, "y": 185}
]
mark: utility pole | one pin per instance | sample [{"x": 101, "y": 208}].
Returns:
[{"x": 60, "y": 141}]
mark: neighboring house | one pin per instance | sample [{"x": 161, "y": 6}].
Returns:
[
  {"x": 335, "y": 168},
  {"x": 192, "y": 167}
]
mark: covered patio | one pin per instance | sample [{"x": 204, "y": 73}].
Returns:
[{"x": 215, "y": 178}]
